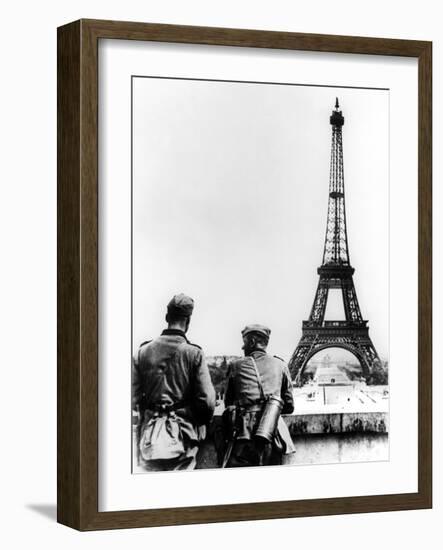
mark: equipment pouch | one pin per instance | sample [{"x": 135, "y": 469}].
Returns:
[{"x": 161, "y": 438}]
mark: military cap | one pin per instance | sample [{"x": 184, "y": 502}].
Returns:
[
  {"x": 181, "y": 305},
  {"x": 261, "y": 329}
]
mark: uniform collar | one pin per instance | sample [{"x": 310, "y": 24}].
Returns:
[
  {"x": 257, "y": 353},
  {"x": 174, "y": 332}
]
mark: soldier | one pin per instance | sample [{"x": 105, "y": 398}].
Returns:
[
  {"x": 251, "y": 381},
  {"x": 173, "y": 393}
]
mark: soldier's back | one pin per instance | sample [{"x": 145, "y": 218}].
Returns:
[
  {"x": 166, "y": 367},
  {"x": 244, "y": 377}
]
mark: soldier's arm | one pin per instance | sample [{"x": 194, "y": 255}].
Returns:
[
  {"x": 287, "y": 392},
  {"x": 229, "y": 390},
  {"x": 136, "y": 384},
  {"x": 203, "y": 401}
]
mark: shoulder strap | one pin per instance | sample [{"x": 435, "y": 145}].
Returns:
[{"x": 259, "y": 380}]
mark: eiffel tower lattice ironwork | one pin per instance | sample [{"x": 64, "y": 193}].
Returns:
[{"x": 335, "y": 272}]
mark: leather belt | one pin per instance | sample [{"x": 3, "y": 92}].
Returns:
[
  {"x": 165, "y": 408},
  {"x": 253, "y": 406}
]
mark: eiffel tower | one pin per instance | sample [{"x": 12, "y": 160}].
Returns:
[{"x": 336, "y": 272}]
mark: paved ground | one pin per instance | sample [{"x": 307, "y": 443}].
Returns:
[{"x": 333, "y": 391}]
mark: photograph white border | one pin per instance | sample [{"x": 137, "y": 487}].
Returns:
[{"x": 119, "y": 489}]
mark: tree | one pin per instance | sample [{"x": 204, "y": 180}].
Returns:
[{"x": 379, "y": 374}]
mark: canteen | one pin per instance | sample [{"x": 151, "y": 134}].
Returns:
[{"x": 269, "y": 418}]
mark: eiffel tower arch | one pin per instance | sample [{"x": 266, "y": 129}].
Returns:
[
  {"x": 333, "y": 335},
  {"x": 336, "y": 272}
]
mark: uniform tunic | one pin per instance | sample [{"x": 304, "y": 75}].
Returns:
[
  {"x": 243, "y": 391},
  {"x": 172, "y": 372}
]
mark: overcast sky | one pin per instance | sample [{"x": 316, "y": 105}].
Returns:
[{"x": 230, "y": 191}]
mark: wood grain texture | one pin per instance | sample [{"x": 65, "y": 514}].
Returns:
[
  {"x": 68, "y": 275},
  {"x": 254, "y": 38},
  {"x": 78, "y": 273},
  {"x": 425, "y": 273}
]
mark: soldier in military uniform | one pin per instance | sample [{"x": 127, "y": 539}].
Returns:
[
  {"x": 250, "y": 380},
  {"x": 173, "y": 392}
]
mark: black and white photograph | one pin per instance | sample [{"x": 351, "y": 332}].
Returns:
[
  {"x": 260, "y": 274},
  {"x": 222, "y": 255}
]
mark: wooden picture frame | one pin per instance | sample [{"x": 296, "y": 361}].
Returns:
[{"x": 78, "y": 273}]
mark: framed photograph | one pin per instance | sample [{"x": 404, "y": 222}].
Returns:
[{"x": 244, "y": 274}]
